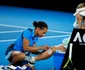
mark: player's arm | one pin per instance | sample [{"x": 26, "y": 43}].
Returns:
[{"x": 79, "y": 19}]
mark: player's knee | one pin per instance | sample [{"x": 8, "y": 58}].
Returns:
[
  {"x": 49, "y": 51},
  {"x": 53, "y": 49}
]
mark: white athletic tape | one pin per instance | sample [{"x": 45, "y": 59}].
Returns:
[
  {"x": 78, "y": 10},
  {"x": 49, "y": 51}
]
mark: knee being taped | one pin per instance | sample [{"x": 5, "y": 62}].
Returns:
[{"x": 49, "y": 51}]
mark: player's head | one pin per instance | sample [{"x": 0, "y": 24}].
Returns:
[
  {"x": 80, "y": 10},
  {"x": 40, "y": 28}
]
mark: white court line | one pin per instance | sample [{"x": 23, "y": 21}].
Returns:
[
  {"x": 12, "y": 26},
  {"x": 54, "y": 36},
  {"x": 39, "y": 38},
  {"x": 8, "y": 40},
  {"x": 10, "y": 31},
  {"x": 59, "y": 31},
  {"x": 32, "y": 28},
  {"x": 22, "y": 30}
]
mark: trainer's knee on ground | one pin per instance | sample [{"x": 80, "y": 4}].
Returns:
[{"x": 22, "y": 56}]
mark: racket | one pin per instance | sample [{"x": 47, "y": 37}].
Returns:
[{"x": 69, "y": 64}]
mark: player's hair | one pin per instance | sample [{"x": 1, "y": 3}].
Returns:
[{"x": 81, "y": 5}]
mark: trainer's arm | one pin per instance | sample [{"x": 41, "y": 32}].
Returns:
[
  {"x": 36, "y": 52},
  {"x": 26, "y": 46}
]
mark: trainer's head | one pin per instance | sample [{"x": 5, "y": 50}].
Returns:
[
  {"x": 40, "y": 28},
  {"x": 80, "y": 10}
]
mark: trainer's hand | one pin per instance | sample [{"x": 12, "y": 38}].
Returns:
[{"x": 46, "y": 47}]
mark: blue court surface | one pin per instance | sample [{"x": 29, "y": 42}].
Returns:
[{"x": 14, "y": 20}]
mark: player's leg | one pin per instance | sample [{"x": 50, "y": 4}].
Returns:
[
  {"x": 50, "y": 52},
  {"x": 30, "y": 60}
]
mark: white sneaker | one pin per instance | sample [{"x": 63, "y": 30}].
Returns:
[{"x": 30, "y": 59}]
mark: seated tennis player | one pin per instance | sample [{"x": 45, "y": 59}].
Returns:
[{"x": 80, "y": 16}]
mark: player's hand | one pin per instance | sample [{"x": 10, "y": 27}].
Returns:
[{"x": 79, "y": 18}]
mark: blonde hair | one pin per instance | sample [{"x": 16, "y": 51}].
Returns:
[{"x": 81, "y": 5}]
